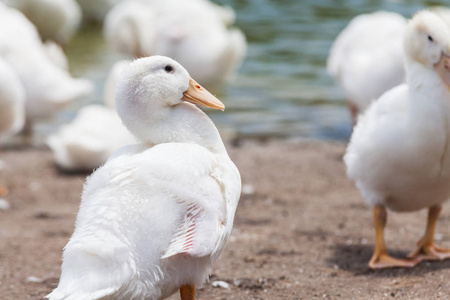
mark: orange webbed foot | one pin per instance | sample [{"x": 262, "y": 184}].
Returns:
[
  {"x": 430, "y": 252},
  {"x": 384, "y": 261}
]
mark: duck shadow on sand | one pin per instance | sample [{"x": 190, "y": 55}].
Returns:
[{"x": 354, "y": 258}]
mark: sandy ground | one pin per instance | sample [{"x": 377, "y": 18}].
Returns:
[{"x": 302, "y": 233}]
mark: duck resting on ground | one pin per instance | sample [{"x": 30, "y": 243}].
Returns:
[
  {"x": 94, "y": 134},
  {"x": 157, "y": 214},
  {"x": 399, "y": 154}
]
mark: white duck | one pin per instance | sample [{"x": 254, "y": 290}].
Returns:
[
  {"x": 224, "y": 12},
  {"x": 155, "y": 217},
  {"x": 12, "y": 105},
  {"x": 56, "y": 20},
  {"x": 48, "y": 87},
  {"x": 398, "y": 154},
  {"x": 12, "y": 102},
  {"x": 94, "y": 135},
  {"x": 202, "y": 43},
  {"x": 366, "y": 58},
  {"x": 89, "y": 140}
]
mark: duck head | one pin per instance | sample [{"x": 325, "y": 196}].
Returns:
[
  {"x": 153, "y": 97},
  {"x": 427, "y": 41}
]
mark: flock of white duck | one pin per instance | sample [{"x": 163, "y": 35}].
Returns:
[
  {"x": 158, "y": 212},
  {"x": 136, "y": 28}
]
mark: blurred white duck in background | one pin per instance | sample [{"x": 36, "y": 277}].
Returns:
[
  {"x": 56, "y": 20},
  {"x": 89, "y": 140},
  {"x": 95, "y": 133},
  {"x": 202, "y": 43},
  {"x": 155, "y": 217},
  {"x": 398, "y": 154},
  {"x": 12, "y": 105},
  {"x": 223, "y": 12},
  {"x": 12, "y": 101},
  {"x": 366, "y": 58},
  {"x": 48, "y": 87}
]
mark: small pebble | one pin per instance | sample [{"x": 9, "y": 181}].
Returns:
[
  {"x": 248, "y": 189},
  {"x": 4, "y": 205},
  {"x": 221, "y": 284},
  {"x": 34, "y": 279},
  {"x": 34, "y": 186}
]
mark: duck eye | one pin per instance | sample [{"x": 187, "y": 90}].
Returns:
[
  {"x": 430, "y": 38},
  {"x": 168, "y": 69}
]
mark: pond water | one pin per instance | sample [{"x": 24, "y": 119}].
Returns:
[{"x": 282, "y": 88}]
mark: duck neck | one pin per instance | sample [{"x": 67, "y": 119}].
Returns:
[
  {"x": 428, "y": 92},
  {"x": 183, "y": 123},
  {"x": 428, "y": 112}
]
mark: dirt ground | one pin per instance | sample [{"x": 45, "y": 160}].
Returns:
[{"x": 302, "y": 230}]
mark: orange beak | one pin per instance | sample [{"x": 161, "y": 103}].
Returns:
[{"x": 196, "y": 94}]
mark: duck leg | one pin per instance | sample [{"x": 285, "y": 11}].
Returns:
[
  {"x": 187, "y": 292},
  {"x": 426, "y": 249},
  {"x": 3, "y": 191},
  {"x": 380, "y": 259},
  {"x": 353, "y": 112}
]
